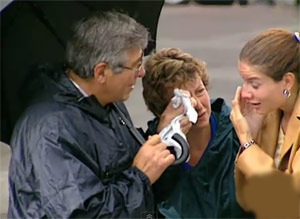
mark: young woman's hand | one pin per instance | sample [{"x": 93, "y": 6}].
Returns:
[{"x": 246, "y": 121}]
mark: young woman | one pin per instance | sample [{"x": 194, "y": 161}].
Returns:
[
  {"x": 266, "y": 117},
  {"x": 203, "y": 187}
]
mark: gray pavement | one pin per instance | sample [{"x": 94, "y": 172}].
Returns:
[{"x": 214, "y": 34}]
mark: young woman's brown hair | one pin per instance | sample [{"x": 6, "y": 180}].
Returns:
[{"x": 266, "y": 117}]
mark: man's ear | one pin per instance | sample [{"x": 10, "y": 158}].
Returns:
[
  {"x": 289, "y": 80},
  {"x": 100, "y": 72}
]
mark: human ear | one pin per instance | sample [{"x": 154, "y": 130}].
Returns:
[
  {"x": 100, "y": 72},
  {"x": 289, "y": 80}
]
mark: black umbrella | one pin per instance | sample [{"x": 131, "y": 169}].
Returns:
[{"x": 34, "y": 32}]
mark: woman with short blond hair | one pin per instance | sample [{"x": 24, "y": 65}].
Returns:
[{"x": 203, "y": 187}]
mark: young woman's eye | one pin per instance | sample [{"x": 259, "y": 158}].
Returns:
[{"x": 255, "y": 85}]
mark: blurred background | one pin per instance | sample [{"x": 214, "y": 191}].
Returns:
[{"x": 213, "y": 31}]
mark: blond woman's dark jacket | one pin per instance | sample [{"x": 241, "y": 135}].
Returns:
[{"x": 206, "y": 190}]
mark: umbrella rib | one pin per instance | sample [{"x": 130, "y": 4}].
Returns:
[
  {"x": 41, "y": 16},
  {"x": 84, "y": 4}
]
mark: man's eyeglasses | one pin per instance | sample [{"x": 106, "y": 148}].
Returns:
[{"x": 135, "y": 70}]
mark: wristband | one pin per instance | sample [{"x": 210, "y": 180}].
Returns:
[{"x": 247, "y": 145}]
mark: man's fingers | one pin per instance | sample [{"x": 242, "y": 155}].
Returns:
[
  {"x": 161, "y": 146},
  {"x": 165, "y": 153},
  {"x": 153, "y": 140},
  {"x": 169, "y": 159}
]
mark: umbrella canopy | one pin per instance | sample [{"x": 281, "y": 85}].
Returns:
[{"x": 34, "y": 32}]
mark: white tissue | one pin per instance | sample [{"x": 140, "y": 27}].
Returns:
[{"x": 181, "y": 97}]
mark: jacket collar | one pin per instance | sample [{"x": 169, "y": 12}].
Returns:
[
  {"x": 67, "y": 93},
  {"x": 221, "y": 113},
  {"x": 270, "y": 129},
  {"x": 268, "y": 134},
  {"x": 291, "y": 140}
]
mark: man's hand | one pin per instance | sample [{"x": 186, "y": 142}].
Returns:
[{"x": 153, "y": 158}]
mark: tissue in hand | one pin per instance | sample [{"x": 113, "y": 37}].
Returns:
[{"x": 181, "y": 97}]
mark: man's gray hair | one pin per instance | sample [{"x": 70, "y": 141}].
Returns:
[{"x": 103, "y": 37}]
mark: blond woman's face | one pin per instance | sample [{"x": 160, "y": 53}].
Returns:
[
  {"x": 197, "y": 91},
  {"x": 261, "y": 91}
]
